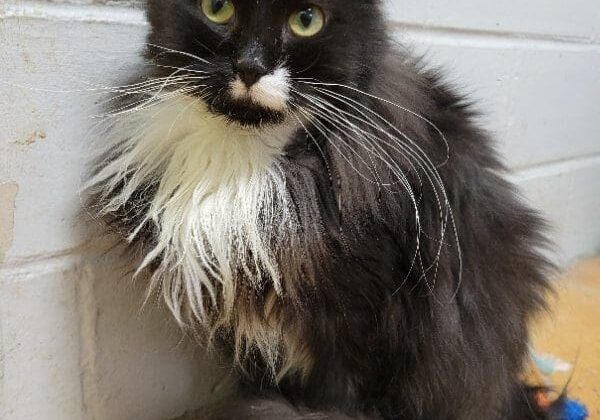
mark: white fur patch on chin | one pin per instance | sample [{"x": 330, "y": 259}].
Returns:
[
  {"x": 272, "y": 91},
  {"x": 220, "y": 195}
]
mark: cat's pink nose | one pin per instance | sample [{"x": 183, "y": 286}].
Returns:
[{"x": 250, "y": 70}]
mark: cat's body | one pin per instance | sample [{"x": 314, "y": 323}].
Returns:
[{"x": 345, "y": 234}]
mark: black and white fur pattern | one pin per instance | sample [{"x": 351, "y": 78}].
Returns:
[{"x": 340, "y": 226}]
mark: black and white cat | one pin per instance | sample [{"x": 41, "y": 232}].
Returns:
[{"x": 311, "y": 200}]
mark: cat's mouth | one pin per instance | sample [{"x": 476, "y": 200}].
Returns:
[
  {"x": 264, "y": 101},
  {"x": 247, "y": 113}
]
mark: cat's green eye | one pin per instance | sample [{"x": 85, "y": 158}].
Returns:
[
  {"x": 307, "y": 22},
  {"x": 218, "y": 11}
]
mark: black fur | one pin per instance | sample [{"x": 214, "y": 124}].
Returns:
[{"x": 391, "y": 331}]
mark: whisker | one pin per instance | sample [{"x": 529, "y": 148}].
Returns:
[
  {"x": 387, "y": 101},
  {"x": 145, "y": 104},
  {"x": 398, "y": 172},
  {"x": 186, "y": 54},
  {"x": 187, "y": 69},
  {"x": 322, "y": 128},
  {"x": 436, "y": 183},
  {"x": 418, "y": 153},
  {"x": 158, "y": 92}
]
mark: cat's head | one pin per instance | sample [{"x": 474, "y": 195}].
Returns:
[{"x": 252, "y": 60}]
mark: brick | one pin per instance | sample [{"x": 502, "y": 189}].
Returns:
[
  {"x": 40, "y": 343},
  {"x": 537, "y": 99},
  {"x": 558, "y": 19},
  {"x": 146, "y": 368},
  {"x": 568, "y": 194}
]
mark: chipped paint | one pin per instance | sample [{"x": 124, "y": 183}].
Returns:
[
  {"x": 8, "y": 196},
  {"x": 32, "y": 138}
]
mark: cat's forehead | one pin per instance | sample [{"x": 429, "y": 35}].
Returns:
[
  {"x": 268, "y": 9},
  {"x": 284, "y": 2},
  {"x": 297, "y": 3}
]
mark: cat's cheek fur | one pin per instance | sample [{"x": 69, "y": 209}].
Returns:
[{"x": 272, "y": 91}]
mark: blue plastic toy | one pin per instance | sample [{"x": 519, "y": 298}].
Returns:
[{"x": 574, "y": 410}]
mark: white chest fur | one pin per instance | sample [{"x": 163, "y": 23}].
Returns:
[{"x": 220, "y": 196}]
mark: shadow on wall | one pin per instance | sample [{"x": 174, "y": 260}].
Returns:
[{"x": 141, "y": 365}]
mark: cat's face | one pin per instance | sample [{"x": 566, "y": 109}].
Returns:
[{"x": 252, "y": 60}]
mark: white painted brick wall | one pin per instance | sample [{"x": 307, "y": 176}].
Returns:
[{"x": 73, "y": 341}]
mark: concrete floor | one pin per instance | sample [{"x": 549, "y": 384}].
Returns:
[{"x": 572, "y": 334}]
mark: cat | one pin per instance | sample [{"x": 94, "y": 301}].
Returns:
[{"x": 314, "y": 202}]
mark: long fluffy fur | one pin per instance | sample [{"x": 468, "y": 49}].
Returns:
[
  {"x": 219, "y": 208},
  {"x": 358, "y": 251}
]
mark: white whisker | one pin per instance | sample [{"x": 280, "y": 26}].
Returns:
[
  {"x": 407, "y": 149},
  {"x": 173, "y": 51}
]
